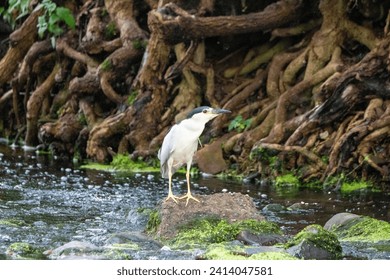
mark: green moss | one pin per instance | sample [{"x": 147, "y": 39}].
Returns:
[
  {"x": 258, "y": 227},
  {"x": 140, "y": 44},
  {"x": 82, "y": 119},
  {"x": 111, "y": 30},
  {"x": 125, "y": 246},
  {"x": 153, "y": 222},
  {"x": 118, "y": 254},
  {"x": 320, "y": 237},
  {"x": 268, "y": 157},
  {"x": 348, "y": 187},
  {"x": 212, "y": 230},
  {"x": 21, "y": 250},
  {"x": 366, "y": 229},
  {"x": 106, "y": 65},
  {"x": 224, "y": 252},
  {"x": 272, "y": 256},
  {"x": 230, "y": 175},
  {"x": 288, "y": 179},
  {"x": 123, "y": 163},
  {"x": 132, "y": 96},
  {"x": 231, "y": 252},
  {"x": 12, "y": 222},
  {"x": 98, "y": 166}
]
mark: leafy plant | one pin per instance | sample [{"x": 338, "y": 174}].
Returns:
[
  {"x": 16, "y": 10},
  {"x": 52, "y": 18},
  {"x": 239, "y": 124}
]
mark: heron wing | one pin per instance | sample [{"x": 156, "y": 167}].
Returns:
[{"x": 166, "y": 150}]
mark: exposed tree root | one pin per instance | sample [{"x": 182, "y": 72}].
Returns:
[{"x": 310, "y": 80}]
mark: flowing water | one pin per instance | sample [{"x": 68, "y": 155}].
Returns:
[{"x": 51, "y": 202}]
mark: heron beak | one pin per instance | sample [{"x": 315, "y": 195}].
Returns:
[{"x": 221, "y": 111}]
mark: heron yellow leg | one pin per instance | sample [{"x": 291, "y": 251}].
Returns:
[
  {"x": 188, "y": 195},
  {"x": 170, "y": 193}
]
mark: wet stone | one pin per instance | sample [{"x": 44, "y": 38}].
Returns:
[
  {"x": 341, "y": 219},
  {"x": 314, "y": 242},
  {"x": 310, "y": 251},
  {"x": 75, "y": 250},
  {"x": 265, "y": 239},
  {"x": 274, "y": 207},
  {"x": 133, "y": 237}
]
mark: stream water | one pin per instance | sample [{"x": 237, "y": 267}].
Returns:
[{"x": 54, "y": 202}]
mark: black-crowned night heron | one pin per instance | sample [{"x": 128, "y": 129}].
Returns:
[{"x": 181, "y": 143}]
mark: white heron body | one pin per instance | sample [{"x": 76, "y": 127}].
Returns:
[{"x": 181, "y": 142}]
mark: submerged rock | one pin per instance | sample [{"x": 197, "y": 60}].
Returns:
[
  {"x": 132, "y": 240},
  {"x": 274, "y": 207},
  {"x": 231, "y": 207},
  {"x": 75, "y": 250}
]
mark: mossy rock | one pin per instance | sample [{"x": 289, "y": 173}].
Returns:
[
  {"x": 316, "y": 237},
  {"x": 24, "y": 251},
  {"x": 214, "y": 230},
  {"x": 231, "y": 207},
  {"x": 363, "y": 229}
]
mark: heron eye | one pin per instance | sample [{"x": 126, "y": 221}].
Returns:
[{"x": 205, "y": 111}]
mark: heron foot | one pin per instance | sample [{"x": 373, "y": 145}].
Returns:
[
  {"x": 173, "y": 197},
  {"x": 189, "y": 196}
]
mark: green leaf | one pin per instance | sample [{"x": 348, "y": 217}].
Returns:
[
  {"x": 55, "y": 29},
  {"x": 42, "y": 26},
  {"x": 53, "y": 19},
  {"x": 66, "y": 15},
  {"x": 23, "y": 9},
  {"x": 239, "y": 124},
  {"x": 49, "y": 6}
]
